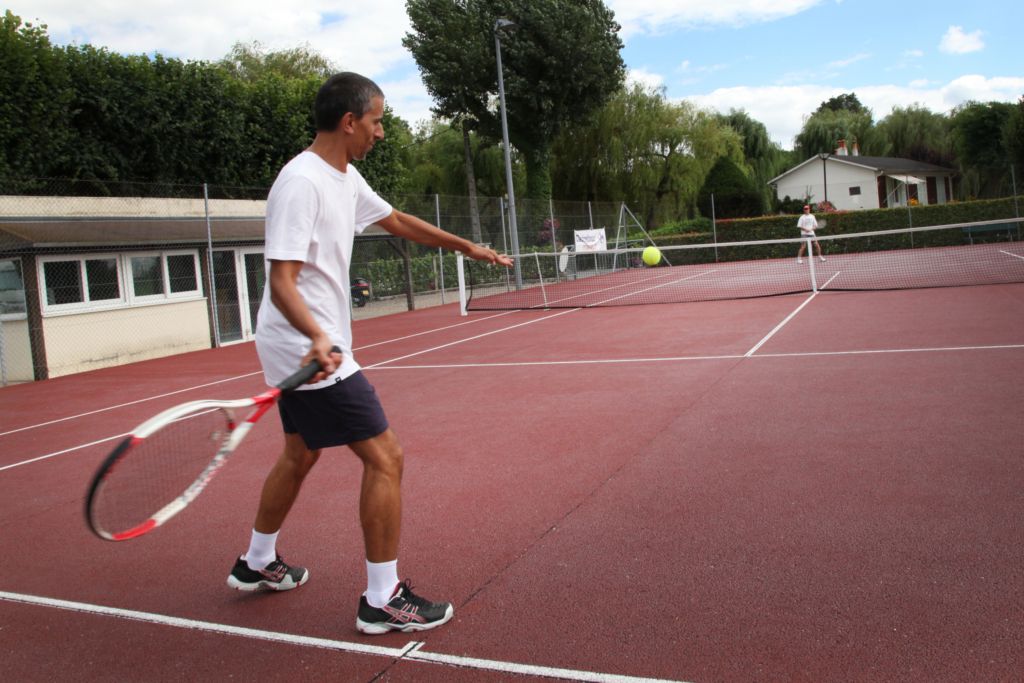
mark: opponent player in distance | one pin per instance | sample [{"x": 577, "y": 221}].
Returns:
[
  {"x": 808, "y": 224},
  {"x": 317, "y": 205}
]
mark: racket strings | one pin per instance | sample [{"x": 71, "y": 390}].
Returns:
[{"x": 153, "y": 471}]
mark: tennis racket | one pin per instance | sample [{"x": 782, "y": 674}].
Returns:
[{"x": 152, "y": 473}]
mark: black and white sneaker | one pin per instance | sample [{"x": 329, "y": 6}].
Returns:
[
  {"x": 405, "y": 612},
  {"x": 276, "y": 576}
]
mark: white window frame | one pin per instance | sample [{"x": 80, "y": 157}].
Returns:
[
  {"x": 165, "y": 271},
  {"x": 21, "y": 270},
  {"x": 85, "y": 304},
  {"x": 125, "y": 282}
]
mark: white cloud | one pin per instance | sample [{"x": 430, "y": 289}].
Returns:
[
  {"x": 956, "y": 42},
  {"x": 648, "y": 79},
  {"x": 840, "y": 63},
  {"x": 409, "y": 99},
  {"x": 369, "y": 42},
  {"x": 658, "y": 16},
  {"x": 782, "y": 109}
]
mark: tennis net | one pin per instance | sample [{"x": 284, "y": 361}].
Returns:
[{"x": 979, "y": 253}]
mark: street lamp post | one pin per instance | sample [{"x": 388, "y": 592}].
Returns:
[
  {"x": 513, "y": 225},
  {"x": 824, "y": 173}
]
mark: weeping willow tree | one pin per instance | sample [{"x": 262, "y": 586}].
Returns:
[
  {"x": 436, "y": 162},
  {"x": 644, "y": 150},
  {"x": 917, "y": 133},
  {"x": 764, "y": 158},
  {"x": 979, "y": 138},
  {"x": 841, "y": 118}
]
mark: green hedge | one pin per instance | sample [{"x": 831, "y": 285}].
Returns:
[
  {"x": 387, "y": 276},
  {"x": 844, "y": 222}
]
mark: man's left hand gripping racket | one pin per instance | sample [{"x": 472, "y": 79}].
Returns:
[{"x": 152, "y": 474}]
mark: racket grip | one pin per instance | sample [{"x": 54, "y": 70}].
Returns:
[{"x": 304, "y": 374}]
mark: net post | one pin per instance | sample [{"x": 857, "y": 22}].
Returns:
[
  {"x": 540, "y": 276},
  {"x": 460, "y": 262},
  {"x": 810, "y": 260}
]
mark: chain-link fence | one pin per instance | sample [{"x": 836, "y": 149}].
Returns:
[{"x": 94, "y": 280}]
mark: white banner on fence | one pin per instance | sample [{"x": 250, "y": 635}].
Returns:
[{"x": 590, "y": 240}]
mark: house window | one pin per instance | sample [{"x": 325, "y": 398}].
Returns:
[
  {"x": 147, "y": 275},
  {"x": 12, "y": 288},
  {"x": 855, "y": 190},
  {"x": 181, "y": 273},
  {"x": 164, "y": 275},
  {"x": 78, "y": 281},
  {"x": 91, "y": 282}
]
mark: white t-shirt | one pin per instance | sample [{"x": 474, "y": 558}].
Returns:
[
  {"x": 314, "y": 212},
  {"x": 807, "y": 224}
]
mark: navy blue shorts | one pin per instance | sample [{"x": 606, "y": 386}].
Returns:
[{"x": 339, "y": 414}]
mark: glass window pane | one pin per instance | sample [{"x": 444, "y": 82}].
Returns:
[
  {"x": 12, "y": 287},
  {"x": 182, "y": 271},
  {"x": 101, "y": 279},
  {"x": 63, "y": 282},
  {"x": 147, "y": 275}
]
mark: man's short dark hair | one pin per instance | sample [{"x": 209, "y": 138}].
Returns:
[{"x": 343, "y": 93}]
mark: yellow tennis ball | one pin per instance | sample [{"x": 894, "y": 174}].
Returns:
[{"x": 652, "y": 256}]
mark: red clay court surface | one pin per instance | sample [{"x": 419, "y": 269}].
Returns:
[{"x": 798, "y": 488}]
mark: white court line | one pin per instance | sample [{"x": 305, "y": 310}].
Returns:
[
  {"x": 789, "y": 317},
  {"x": 129, "y": 403},
  {"x": 436, "y": 329},
  {"x": 56, "y": 453},
  {"x": 1010, "y": 253},
  {"x": 468, "y": 339},
  {"x": 411, "y": 652},
  {"x": 609, "y": 361},
  {"x": 680, "y": 359},
  {"x": 230, "y": 379},
  {"x": 868, "y": 352},
  {"x": 368, "y": 367},
  {"x": 611, "y": 287},
  {"x": 663, "y": 284}
]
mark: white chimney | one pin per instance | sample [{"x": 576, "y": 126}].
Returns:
[{"x": 841, "y": 150}]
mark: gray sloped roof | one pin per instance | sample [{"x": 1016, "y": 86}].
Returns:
[
  {"x": 124, "y": 232},
  {"x": 886, "y": 165},
  {"x": 892, "y": 164},
  {"x": 42, "y": 222}
]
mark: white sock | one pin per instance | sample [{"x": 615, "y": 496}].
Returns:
[
  {"x": 381, "y": 580},
  {"x": 262, "y": 550}
]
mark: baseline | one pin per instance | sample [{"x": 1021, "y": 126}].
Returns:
[{"x": 412, "y": 651}]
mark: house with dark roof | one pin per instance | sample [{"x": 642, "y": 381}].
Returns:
[{"x": 850, "y": 181}]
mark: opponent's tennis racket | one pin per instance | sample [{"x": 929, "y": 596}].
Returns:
[{"x": 152, "y": 473}]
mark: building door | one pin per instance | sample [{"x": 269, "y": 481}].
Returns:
[{"x": 238, "y": 277}]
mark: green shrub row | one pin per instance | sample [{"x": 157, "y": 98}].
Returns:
[{"x": 844, "y": 222}]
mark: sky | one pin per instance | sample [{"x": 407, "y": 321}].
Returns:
[{"x": 777, "y": 60}]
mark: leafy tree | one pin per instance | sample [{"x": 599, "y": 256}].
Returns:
[
  {"x": 560, "y": 63},
  {"x": 644, "y": 150},
  {"x": 763, "y": 156},
  {"x": 735, "y": 195},
  {"x": 252, "y": 61},
  {"x": 437, "y": 158},
  {"x": 916, "y": 133},
  {"x": 845, "y": 102},
  {"x": 1014, "y": 138},
  {"x": 978, "y": 137},
  {"x": 383, "y": 167},
  {"x": 277, "y": 124},
  {"x": 826, "y": 127},
  {"x": 36, "y": 95}
]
